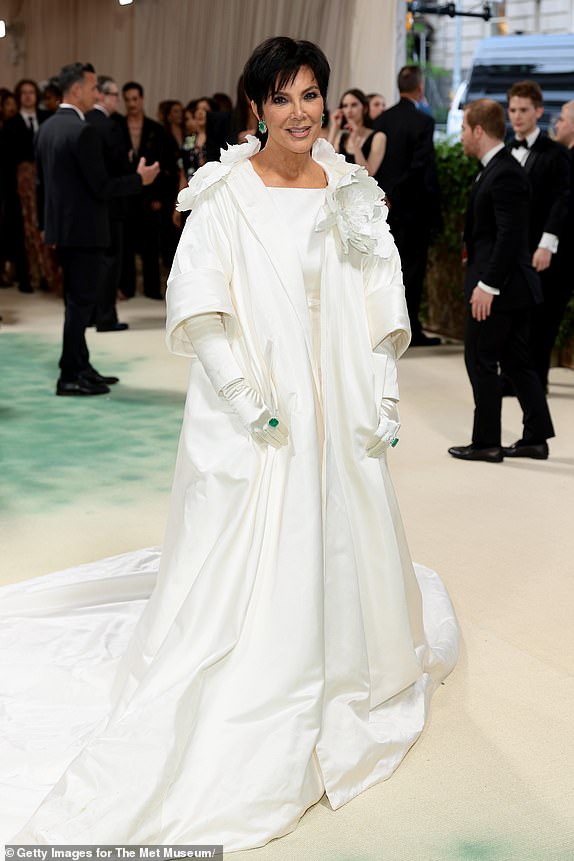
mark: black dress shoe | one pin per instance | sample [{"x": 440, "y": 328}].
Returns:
[
  {"x": 494, "y": 454},
  {"x": 424, "y": 341},
  {"x": 114, "y": 327},
  {"x": 537, "y": 451},
  {"x": 94, "y": 376},
  {"x": 80, "y": 387}
]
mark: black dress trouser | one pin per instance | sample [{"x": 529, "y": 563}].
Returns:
[
  {"x": 557, "y": 285},
  {"x": 142, "y": 235},
  {"x": 111, "y": 273},
  {"x": 412, "y": 241},
  {"x": 81, "y": 268},
  {"x": 500, "y": 345}
]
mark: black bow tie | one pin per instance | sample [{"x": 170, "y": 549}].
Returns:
[{"x": 515, "y": 144}]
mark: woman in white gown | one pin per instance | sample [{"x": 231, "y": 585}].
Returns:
[{"x": 287, "y": 649}]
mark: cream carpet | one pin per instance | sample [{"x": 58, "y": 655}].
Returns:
[{"x": 492, "y": 779}]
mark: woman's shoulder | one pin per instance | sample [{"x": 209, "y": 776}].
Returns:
[{"x": 214, "y": 174}]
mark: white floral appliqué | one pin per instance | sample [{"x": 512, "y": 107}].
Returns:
[{"x": 356, "y": 208}]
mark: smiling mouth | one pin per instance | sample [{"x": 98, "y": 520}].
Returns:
[{"x": 300, "y": 133}]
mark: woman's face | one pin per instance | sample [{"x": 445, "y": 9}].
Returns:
[
  {"x": 189, "y": 122},
  {"x": 293, "y": 115},
  {"x": 51, "y": 101},
  {"x": 9, "y": 108},
  {"x": 377, "y": 106},
  {"x": 175, "y": 115},
  {"x": 200, "y": 113},
  {"x": 352, "y": 109}
]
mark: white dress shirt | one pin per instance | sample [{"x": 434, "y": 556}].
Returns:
[
  {"x": 31, "y": 120},
  {"x": 73, "y": 108}
]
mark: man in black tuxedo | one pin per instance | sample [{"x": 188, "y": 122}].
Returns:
[
  {"x": 408, "y": 177},
  {"x": 144, "y": 138},
  {"x": 547, "y": 165},
  {"x": 502, "y": 289},
  {"x": 117, "y": 164},
  {"x": 74, "y": 189}
]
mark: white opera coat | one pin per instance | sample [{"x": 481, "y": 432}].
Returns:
[{"x": 283, "y": 653}]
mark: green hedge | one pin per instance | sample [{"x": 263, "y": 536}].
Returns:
[{"x": 445, "y": 308}]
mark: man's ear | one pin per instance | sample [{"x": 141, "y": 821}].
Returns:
[{"x": 539, "y": 112}]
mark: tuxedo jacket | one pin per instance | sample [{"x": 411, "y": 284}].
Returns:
[
  {"x": 407, "y": 173},
  {"x": 155, "y": 145},
  {"x": 548, "y": 170},
  {"x": 496, "y": 235},
  {"x": 17, "y": 146},
  {"x": 115, "y": 156},
  {"x": 566, "y": 246},
  {"x": 19, "y": 138},
  {"x": 74, "y": 183}
]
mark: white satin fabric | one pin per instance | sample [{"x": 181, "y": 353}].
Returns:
[{"x": 287, "y": 649}]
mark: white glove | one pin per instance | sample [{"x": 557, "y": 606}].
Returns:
[
  {"x": 387, "y": 430},
  {"x": 254, "y": 415},
  {"x": 209, "y": 341}
]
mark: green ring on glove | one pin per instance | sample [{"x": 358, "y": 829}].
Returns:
[
  {"x": 273, "y": 423},
  {"x": 394, "y": 442}
]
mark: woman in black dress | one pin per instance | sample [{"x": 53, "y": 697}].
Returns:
[{"x": 352, "y": 135}]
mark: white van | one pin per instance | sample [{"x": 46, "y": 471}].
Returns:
[{"x": 500, "y": 61}]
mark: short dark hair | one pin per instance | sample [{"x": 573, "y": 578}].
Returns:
[
  {"x": 409, "y": 78},
  {"x": 29, "y": 82},
  {"x": 489, "y": 115},
  {"x": 276, "y": 62},
  {"x": 5, "y": 95},
  {"x": 133, "y": 85},
  {"x": 53, "y": 86},
  {"x": 72, "y": 74},
  {"x": 526, "y": 90}
]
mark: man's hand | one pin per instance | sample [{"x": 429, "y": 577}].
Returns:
[
  {"x": 541, "y": 259},
  {"x": 147, "y": 172},
  {"x": 481, "y": 304}
]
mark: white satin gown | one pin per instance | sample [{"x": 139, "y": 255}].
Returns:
[{"x": 260, "y": 673}]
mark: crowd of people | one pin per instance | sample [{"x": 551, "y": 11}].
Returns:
[
  {"x": 287, "y": 289},
  {"x": 181, "y": 139},
  {"x": 394, "y": 145}
]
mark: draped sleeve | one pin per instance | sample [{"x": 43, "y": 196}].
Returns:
[
  {"x": 385, "y": 302},
  {"x": 200, "y": 278},
  {"x": 356, "y": 211}
]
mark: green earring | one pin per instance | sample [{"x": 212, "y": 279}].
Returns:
[
  {"x": 262, "y": 126},
  {"x": 322, "y": 120}
]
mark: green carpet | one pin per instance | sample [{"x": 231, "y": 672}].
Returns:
[{"x": 56, "y": 449}]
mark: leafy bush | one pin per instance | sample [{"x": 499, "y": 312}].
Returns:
[{"x": 445, "y": 272}]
